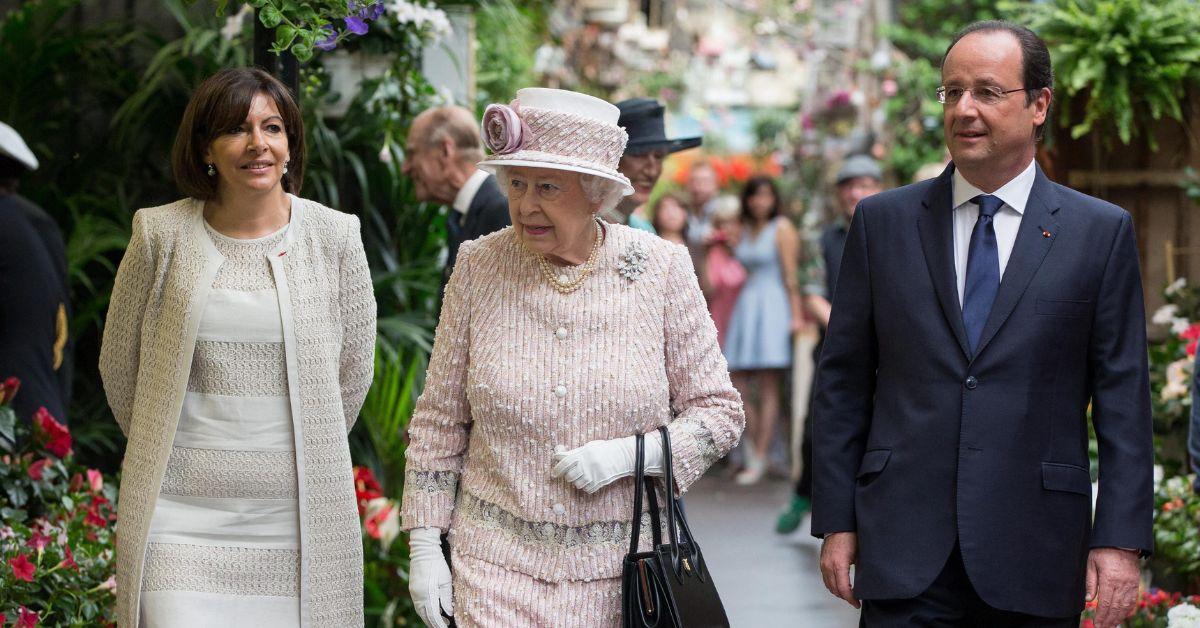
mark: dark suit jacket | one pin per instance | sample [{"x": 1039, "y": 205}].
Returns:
[
  {"x": 919, "y": 443},
  {"x": 488, "y": 212},
  {"x": 33, "y": 287}
]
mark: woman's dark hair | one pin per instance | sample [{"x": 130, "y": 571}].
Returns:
[
  {"x": 752, "y": 188},
  {"x": 1036, "y": 69},
  {"x": 221, "y": 103}
]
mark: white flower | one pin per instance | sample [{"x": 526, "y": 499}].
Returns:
[
  {"x": 385, "y": 154},
  {"x": 233, "y": 23},
  {"x": 1175, "y": 286},
  {"x": 1165, "y": 314},
  {"x": 1183, "y": 616},
  {"x": 1178, "y": 376},
  {"x": 1158, "y": 475},
  {"x": 430, "y": 19},
  {"x": 1180, "y": 325},
  {"x": 389, "y": 527}
]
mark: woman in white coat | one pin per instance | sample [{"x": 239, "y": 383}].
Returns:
[{"x": 236, "y": 354}]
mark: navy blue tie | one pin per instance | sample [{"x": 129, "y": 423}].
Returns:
[{"x": 983, "y": 269}]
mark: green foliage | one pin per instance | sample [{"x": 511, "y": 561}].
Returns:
[
  {"x": 507, "y": 33},
  {"x": 298, "y": 24},
  {"x": 925, "y": 28},
  {"x": 1129, "y": 61},
  {"x": 1171, "y": 364},
  {"x": 56, "y": 532},
  {"x": 1176, "y": 526},
  {"x": 916, "y": 117}
]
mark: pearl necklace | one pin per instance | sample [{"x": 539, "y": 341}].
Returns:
[{"x": 564, "y": 284}]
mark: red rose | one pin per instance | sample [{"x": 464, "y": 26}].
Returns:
[
  {"x": 373, "y": 523},
  {"x": 69, "y": 561},
  {"x": 21, "y": 567},
  {"x": 26, "y": 618},
  {"x": 94, "y": 516},
  {"x": 366, "y": 488},
  {"x": 76, "y": 483},
  {"x": 35, "y": 469},
  {"x": 57, "y": 436},
  {"x": 8, "y": 390},
  {"x": 1191, "y": 333},
  {"x": 38, "y": 541},
  {"x": 1191, "y": 348}
]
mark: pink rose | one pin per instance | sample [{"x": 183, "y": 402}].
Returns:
[
  {"x": 504, "y": 131},
  {"x": 96, "y": 480}
]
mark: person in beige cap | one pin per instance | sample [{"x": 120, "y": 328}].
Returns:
[
  {"x": 35, "y": 345},
  {"x": 561, "y": 338}
]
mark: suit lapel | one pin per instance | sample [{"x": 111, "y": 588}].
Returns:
[
  {"x": 936, "y": 226},
  {"x": 475, "y": 208},
  {"x": 1028, "y": 252}
]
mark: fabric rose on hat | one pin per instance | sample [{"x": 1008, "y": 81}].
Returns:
[{"x": 504, "y": 131}]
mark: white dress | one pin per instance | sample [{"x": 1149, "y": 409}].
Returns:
[{"x": 224, "y": 539}]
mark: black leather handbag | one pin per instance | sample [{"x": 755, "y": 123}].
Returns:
[{"x": 668, "y": 586}]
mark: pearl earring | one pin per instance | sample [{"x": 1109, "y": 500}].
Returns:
[
  {"x": 212, "y": 171},
  {"x": 285, "y": 164}
]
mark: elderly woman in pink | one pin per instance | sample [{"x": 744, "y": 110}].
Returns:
[{"x": 560, "y": 339}]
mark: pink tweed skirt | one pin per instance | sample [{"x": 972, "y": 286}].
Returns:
[{"x": 491, "y": 596}]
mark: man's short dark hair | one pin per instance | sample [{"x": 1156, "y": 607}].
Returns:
[
  {"x": 1036, "y": 69},
  {"x": 221, "y": 103}
]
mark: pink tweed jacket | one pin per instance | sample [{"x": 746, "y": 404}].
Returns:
[{"x": 519, "y": 369}]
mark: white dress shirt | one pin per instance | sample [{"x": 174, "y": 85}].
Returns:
[
  {"x": 1007, "y": 221},
  {"x": 466, "y": 194}
]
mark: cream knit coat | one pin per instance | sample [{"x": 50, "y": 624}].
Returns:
[
  {"x": 328, "y": 312},
  {"x": 519, "y": 369}
]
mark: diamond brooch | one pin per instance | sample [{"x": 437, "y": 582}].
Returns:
[{"x": 633, "y": 261}]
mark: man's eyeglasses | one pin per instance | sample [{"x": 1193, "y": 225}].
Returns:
[{"x": 982, "y": 94}]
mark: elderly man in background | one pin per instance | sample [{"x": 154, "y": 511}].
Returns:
[
  {"x": 642, "y": 163},
  {"x": 34, "y": 345},
  {"x": 441, "y": 152},
  {"x": 858, "y": 178}
]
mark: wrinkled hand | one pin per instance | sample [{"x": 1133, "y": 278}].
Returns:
[
  {"x": 601, "y": 462},
  {"x": 429, "y": 577},
  {"x": 838, "y": 552},
  {"x": 1112, "y": 580}
]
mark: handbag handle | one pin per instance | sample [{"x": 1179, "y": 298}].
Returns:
[
  {"x": 640, "y": 483},
  {"x": 677, "y": 525},
  {"x": 639, "y": 473}
]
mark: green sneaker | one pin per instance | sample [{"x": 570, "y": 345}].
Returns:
[{"x": 791, "y": 516}]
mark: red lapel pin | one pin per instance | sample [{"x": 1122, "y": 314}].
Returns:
[{"x": 1045, "y": 234}]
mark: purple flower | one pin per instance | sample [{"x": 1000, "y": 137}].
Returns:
[
  {"x": 330, "y": 42},
  {"x": 355, "y": 25},
  {"x": 504, "y": 131},
  {"x": 375, "y": 10}
]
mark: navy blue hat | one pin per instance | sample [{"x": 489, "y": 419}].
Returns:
[{"x": 642, "y": 118}]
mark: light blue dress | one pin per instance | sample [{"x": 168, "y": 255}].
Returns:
[{"x": 759, "y": 335}]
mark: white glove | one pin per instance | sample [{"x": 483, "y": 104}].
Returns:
[
  {"x": 601, "y": 462},
  {"x": 429, "y": 577}
]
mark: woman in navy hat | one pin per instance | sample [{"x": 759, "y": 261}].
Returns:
[{"x": 642, "y": 162}]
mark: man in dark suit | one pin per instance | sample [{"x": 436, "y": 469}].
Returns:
[
  {"x": 975, "y": 317},
  {"x": 35, "y": 307},
  {"x": 441, "y": 152}
]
